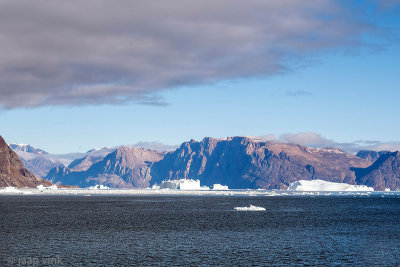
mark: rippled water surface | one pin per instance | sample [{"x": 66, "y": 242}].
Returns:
[{"x": 198, "y": 230}]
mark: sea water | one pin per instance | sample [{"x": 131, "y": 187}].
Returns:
[{"x": 198, "y": 230}]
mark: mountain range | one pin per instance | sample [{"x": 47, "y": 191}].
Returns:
[
  {"x": 239, "y": 162},
  {"x": 125, "y": 167},
  {"x": 12, "y": 171},
  {"x": 41, "y": 162},
  {"x": 242, "y": 162}
]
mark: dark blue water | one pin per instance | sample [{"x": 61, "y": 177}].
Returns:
[{"x": 198, "y": 230}]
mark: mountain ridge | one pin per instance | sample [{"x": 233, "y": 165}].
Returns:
[
  {"x": 383, "y": 173},
  {"x": 125, "y": 167},
  {"x": 13, "y": 172},
  {"x": 241, "y": 162}
]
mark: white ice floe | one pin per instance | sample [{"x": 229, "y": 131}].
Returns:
[
  {"x": 324, "y": 186},
  {"x": 98, "y": 187},
  {"x": 220, "y": 187},
  {"x": 250, "y": 208}
]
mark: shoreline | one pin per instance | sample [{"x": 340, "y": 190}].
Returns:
[{"x": 171, "y": 192}]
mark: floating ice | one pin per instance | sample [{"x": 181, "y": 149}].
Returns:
[
  {"x": 220, "y": 187},
  {"x": 10, "y": 190},
  {"x": 98, "y": 187},
  {"x": 182, "y": 184},
  {"x": 51, "y": 188},
  {"x": 320, "y": 185},
  {"x": 250, "y": 208}
]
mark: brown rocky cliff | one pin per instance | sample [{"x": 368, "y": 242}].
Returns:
[{"x": 12, "y": 171}]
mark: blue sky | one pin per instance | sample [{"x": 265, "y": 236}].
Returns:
[{"x": 346, "y": 93}]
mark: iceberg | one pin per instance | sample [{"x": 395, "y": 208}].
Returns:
[
  {"x": 250, "y": 208},
  {"x": 43, "y": 188},
  {"x": 182, "y": 184},
  {"x": 220, "y": 187},
  {"x": 320, "y": 185},
  {"x": 98, "y": 187}
]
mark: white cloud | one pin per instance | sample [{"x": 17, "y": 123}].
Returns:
[
  {"x": 156, "y": 146},
  {"x": 306, "y": 138}
]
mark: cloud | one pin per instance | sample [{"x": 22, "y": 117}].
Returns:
[
  {"x": 315, "y": 140},
  {"x": 156, "y": 146},
  {"x": 82, "y": 52},
  {"x": 267, "y": 137},
  {"x": 307, "y": 139}
]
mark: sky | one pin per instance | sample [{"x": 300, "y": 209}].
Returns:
[{"x": 77, "y": 75}]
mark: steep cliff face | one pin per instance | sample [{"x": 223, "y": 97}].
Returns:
[
  {"x": 241, "y": 162},
  {"x": 370, "y": 155},
  {"x": 13, "y": 173},
  {"x": 384, "y": 173},
  {"x": 123, "y": 168}
]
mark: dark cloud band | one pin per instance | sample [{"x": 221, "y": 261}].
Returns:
[{"x": 92, "y": 52}]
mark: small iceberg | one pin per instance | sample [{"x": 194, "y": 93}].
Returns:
[
  {"x": 220, "y": 187},
  {"x": 98, "y": 187},
  {"x": 42, "y": 188},
  {"x": 250, "y": 208}
]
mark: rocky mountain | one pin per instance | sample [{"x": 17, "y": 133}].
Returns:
[
  {"x": 239, "y": 162},
  {"x": 40, "y": 166},
  {"x": 242, "y": 162},
  {"x": 91, "y": 157},
  {"x": 383, "y": 173},
  {"x": 35, "y": 160},
  {"x": 27, "y": 149},
  {"x": 370, "y": 155},
  {"x": 125, "y": 167},
  {"x": 41, "y": 162},
  {"x": 12, "y": 171}
]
